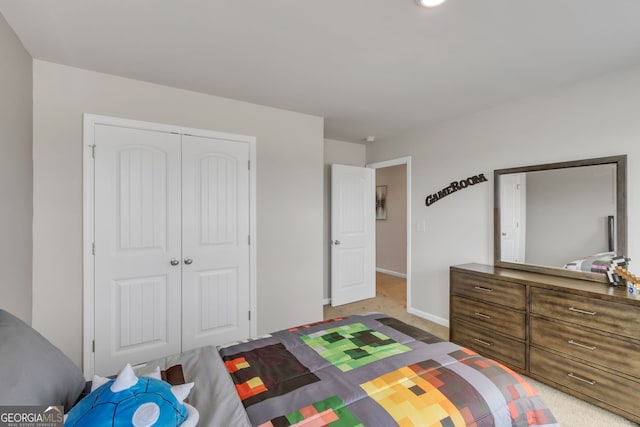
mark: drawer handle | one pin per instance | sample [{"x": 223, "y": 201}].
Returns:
[
  {"x": 588, "y": 347},
  {"x": 484, "y": 316},
  {"x": 575, "y": 377},
  {"x": 483, "y": 289},
  {"x": 487, "y": 343},
  {"x": 577, "y": 310}
]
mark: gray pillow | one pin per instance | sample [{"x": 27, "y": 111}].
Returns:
[{"x": 32, "y": 370}]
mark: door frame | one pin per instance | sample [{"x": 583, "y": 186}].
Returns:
[
  {"x": 88, "y": 226},
  {"x": 396, "y": 162}
]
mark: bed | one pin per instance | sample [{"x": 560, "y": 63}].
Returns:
[
  {"x": 363, "y": 370},
  {"x": 597, "y": 263}
]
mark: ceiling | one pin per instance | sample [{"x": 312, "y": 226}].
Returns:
[{"x": 370, "y": 67}]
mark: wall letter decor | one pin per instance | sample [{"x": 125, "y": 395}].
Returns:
[{"x": 455, "y": 186}]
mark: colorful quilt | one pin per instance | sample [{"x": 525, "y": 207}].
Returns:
[
  {"x": 598, "y": 263},
  {"x": 372, "y": 370}
]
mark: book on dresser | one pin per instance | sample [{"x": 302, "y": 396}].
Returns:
[{"x": 579, "y": 336}]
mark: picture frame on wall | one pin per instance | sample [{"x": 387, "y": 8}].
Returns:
[{"x": 381, "y": 202}]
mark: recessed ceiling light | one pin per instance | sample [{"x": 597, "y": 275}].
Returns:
[
  {"x": 430, "y": 3},
  {"x": 370, "y": 138}
]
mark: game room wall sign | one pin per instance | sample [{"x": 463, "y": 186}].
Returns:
[{"x": 455, "y": 186}]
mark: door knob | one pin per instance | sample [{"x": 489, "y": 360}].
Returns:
[
  {"x": 174, "y": 261},
  {"x": 336, "y": 242},
  {"x": 188, "y": 261}
]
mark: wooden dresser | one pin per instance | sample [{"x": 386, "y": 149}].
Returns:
[{"x": 578, "y": 336}]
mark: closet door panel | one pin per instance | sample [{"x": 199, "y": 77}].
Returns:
[
  {"x": 215, "y": 246},
  {"x": 137, "y": 233}
]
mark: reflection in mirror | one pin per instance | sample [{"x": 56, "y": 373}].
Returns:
[{"x": 566, "y": 217}]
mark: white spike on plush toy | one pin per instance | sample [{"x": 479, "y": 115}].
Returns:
[
  {"x": 125, "y": 380},
  {"x": 98, "y": 381},
  {"x": 193, "y": 418},
  {"x": 181, "y": 391},
  {"x": 155, "y": 373}
]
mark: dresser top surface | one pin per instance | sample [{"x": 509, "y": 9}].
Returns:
[{"x": 578, "y": 286}]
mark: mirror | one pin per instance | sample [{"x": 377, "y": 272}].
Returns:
[{"x": 565, "y": 219}]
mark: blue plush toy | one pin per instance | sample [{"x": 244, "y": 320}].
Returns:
[{"x": 128, "y": 400}]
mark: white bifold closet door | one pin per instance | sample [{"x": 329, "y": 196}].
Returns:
[
  {"x": 215, "y": 233},
  {"x": 171, "y": 244}
]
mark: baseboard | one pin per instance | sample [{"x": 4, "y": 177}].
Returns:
[
  {"x": 431, "y": 317},
  {"x": 414, "y": 311},
  {"x": 391, "y": 272}
]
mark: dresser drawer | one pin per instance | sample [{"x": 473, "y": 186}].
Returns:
[
  {"x": 587, "y": 345},
  {"x": 498, "y": 318},
  {"x": 611, "y": 389},
  {"x": 598, "y": 314},
  {"x": 509, "y": 294},
  {"x": 486, "y": 342}
]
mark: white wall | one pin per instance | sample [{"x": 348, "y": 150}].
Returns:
[
  {"x": 600, "y": 117},
  {"x": 16, "y": 174},
  {"x": 289, "y": 193},
  {"x": 391, "y": 233},
  {"x": 343, "y": 153}
]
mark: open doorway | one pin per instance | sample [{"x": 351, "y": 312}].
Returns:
[
  {"x": 391, "y": 236},
  {"x": 393, "y": 226},
  {"x": 386, "y": 303},
  {"x": 399, "y": 195}
]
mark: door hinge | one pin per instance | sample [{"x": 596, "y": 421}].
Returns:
[
  {"x": 93, "y": 151},
  {"x": 93, "y": 346},
  {"x": 249, "y": 239},
  {"x": 93, "y": 248},
  {"x": 249, "y": 164},
  {"x": 249, "y": 314}
]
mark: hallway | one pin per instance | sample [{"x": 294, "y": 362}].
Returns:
[{"x": 391, "y": 299}]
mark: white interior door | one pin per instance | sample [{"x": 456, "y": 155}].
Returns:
[
  {"x": 137, "y": 234},
  {"x": 215, "y": 241},
  {"x": 512, "y": 217},
  {"x": 353, "y": 275}
]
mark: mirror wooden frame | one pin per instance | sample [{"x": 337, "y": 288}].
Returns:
[{"x": 621, "y": 215}]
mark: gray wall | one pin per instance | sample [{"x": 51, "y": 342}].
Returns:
[
  {"x": 289, "y": 191},
  {"x": 391, "y": 234},
  {"x": 594, "y": 118},
  {"x": 16, "y": 174}
]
